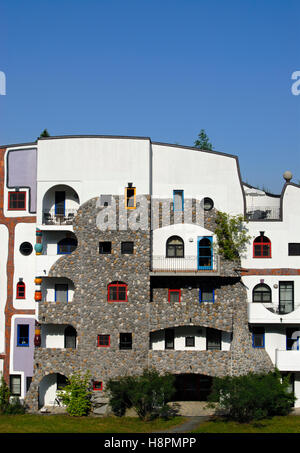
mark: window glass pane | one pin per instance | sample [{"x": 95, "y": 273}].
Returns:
[
  {"x": 207, "y": 295},
  {"x": 130, "y": 197},
  {"x": 213, "y": 337},
  {"x": 15, "y": 385},
  {"x": 174, "y": 296},
  {"x": 178, "y": 200},
  {"x": 122, "y": 293},
  {"x": 61, "y": 293},
  {"x": 113, "y": 293}
]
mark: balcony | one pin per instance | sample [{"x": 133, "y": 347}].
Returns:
[
  {"x": 287, "y": 360},
  {"x": 263, "y": 213},
  {"x": 66, "y": 217},
  {"x": 269, "y": 313},
  {"x": 189, "y": 265}
]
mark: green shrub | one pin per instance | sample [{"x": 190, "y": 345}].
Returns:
[
  {"x": 148, "y": 394},
  {"x": 252, "y": 396},
  {"x": 76, "y": 395},
  {"x": 4, "y": 396},
  {"x": 232, "y": 235}
]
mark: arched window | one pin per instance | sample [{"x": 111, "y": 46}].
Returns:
[
  {"x": 21, "y": 290},
  {"x": 117, "y": 292},
  {"x": 66, "y": 246},
  {"x": 70, "y": 337},
  {"x": 175, "y": 247},
  {"x": 262, "y": 293},
  {"x": 261, "y": 247}
]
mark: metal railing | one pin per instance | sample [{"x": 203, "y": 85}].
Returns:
[
  {"x": 263, "y": 213},
  {"x": 186, "y": 264},
  {"x": 281, "y": 309},
  {"x": 55, "y": 218}
]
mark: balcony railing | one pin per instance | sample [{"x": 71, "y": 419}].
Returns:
[
  {"x": 263, "y": 213},
  {"x": 186, "y": 264},
  {"x": 281, "y": 308},
  {"x": 54, "y": 218}
]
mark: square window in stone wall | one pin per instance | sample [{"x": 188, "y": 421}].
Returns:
[
  {"x": 104, "y": 247},
  {"x": 127, "y": 248},
  {"x": 97, "y": 385},
  {"x": 104, "y": 341}
]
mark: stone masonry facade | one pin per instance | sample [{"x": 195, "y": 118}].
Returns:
[{"x": 146, "y": 310}]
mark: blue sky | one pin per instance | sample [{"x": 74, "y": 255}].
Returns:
[{"x": 162, "y": 69}]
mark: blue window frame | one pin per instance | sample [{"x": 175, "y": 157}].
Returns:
[
  {"x": 23, "y": 335},
  {"x": 292, "y": 339},
  {"x": 206, "y": 295},
  {"x": 258, "y": 337},
  {"x": 66, "y": 246},
  {"x": 61, "y": 292},
  {"x": 178, "y": 200},
  {"x": 205, "y": 252}
]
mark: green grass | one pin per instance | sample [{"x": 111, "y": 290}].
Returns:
[
  {"x": 288, "y": 424},
  {"x": 28, "y": 423}
]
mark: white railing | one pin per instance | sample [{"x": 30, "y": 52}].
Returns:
[
  {"x": 186, "y": 264},
  {"x": 263, "y": 213},
  {"x": 66, "y": 217}
]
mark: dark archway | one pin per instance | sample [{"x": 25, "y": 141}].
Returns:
[{"x": 192, "y": 387}]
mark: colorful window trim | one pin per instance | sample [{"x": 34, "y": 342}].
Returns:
[
  {"x": 258, "y": 337},
  {"x": 103, "y": 341},
  {"x": 178, "y": 200},
  {"x": 207, "y": 295},
  {"x": 117, "y": 292},
  {"x": 16, "y": 201},
  {"x": 174, "y": 295},
  {"x": 21, "y": 290},
  {"x": 261, "y": 247},
  {"x": 98, "y": 385},
  {"x": 23, "y": 335},
  {"x": 130, "y": 197}
]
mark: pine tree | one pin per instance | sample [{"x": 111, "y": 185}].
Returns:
[
  {"x": 203, "y": 141},
  {"x": 45, "y": 133}
]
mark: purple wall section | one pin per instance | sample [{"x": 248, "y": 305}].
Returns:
[
  {"x": 23, "y": 355},
  {"x": 21, "y": 172}
]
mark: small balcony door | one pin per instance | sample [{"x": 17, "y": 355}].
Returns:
[
  {"x": 60, "y": 202},
  {"x": 205, "y": 253},
  {"x": 286, "y": 297}
]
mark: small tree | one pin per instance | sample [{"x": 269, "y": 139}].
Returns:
[
  {"x": 76, "y": 395},
  {"x": 203, "y": 141},
  {"x": 231, "y": 234},
  {"x": 4, "y": 396},
  {"x": 252, "y": 396},
  {"x": 45, "y": 133}
]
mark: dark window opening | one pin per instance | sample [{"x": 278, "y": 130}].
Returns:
[
  {"x": 26, "y": 248},
  {"x": 213, "y": 339},
  {"x": 127, "y": 248},
  {"x": 189, "y": 341},
  {"x": 294, "y": 248},
  {"x": 105, "y": 247},
  {"x": 175, "y": 247},
  {"x": 104, "y": 341},
  {"x": 125, "y": 341},
  {"x": 169, "y": 339},
  {"x": 258, "y": 337},
  {"x": 262, "y": 293}
]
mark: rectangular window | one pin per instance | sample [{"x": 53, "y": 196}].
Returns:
[
  {"x": 286, "y": 297},
  {"x": 105, "y": 200},
  {"x": 125, "y": 341},
  {"x": 189, "y": 341},
  {"x": 292, "y": 339},
  {"x": 294, "y": 248},
  {"x": 28, "y": 383},
  {"x": 169, "y": 339},
  {"x": 98, "y": 385},
  {"x": 213, "y": 339},
  {"x": 15, "y": 384},
  {"x": 103, "y": 341},
  {"x": 61, "y": 292},
  {"x": 206, "y": 295},
  {"x": 178, "y": 200},
  {"x": 127, "y": 248},
  {"x": 130, "y": 197},
  {"x": 174, "y": 295},
  {"x": 258, "y": 337},
  {"x": 23, "y": 335},
  {"x": 104, "y": 247},
  {"x": 16, "y": 201}
]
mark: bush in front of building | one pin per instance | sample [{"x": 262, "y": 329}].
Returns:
[
  {"x": 9, "y": 405},
  {"x": 232, "y": 235},
  {"x": 252, "y": 396},
  {"x": 76, "y": 395},
  {"x": 148, "y": 393}
]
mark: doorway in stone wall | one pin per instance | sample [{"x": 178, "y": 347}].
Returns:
[{"x": 192, "y": 387}]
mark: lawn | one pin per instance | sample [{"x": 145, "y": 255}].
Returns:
[
  {"x": 288, "y": 424},
  {"x": 28, "y": 423}
]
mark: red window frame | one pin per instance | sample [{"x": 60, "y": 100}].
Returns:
[
  {"x": 117, "y": 286},
  {"x": 261, "y": 242},
  {"x": 95, "y": 383},
  {"x": 104, "y": 343},
  {"x": 18, "y": 208},
  {"x": 174, "y": 291},
  {"x": 21, "y": 289}
]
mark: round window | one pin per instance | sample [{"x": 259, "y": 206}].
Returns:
[
  {"x": 26, "y": 248},
  {"x": 208, "y": 204}
]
